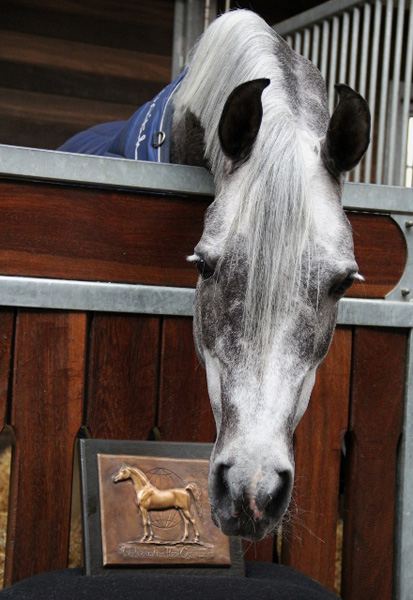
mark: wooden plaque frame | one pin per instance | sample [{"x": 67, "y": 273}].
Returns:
[{"x": 98, "y": 458}]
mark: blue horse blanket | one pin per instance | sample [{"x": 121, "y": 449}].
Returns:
[{"x": 146, "y": 136}]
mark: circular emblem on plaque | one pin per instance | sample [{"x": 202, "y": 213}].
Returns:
[{"x": 164, "y": 479}]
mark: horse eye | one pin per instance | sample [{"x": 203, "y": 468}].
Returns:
[
  {"x": 341, "y": 288},
  {"x": 205, "y": 270}
]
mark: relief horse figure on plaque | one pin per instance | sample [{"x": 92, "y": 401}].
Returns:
[
  {"x": 276, "y": 253},
  {"x": 149, "y": 498}
]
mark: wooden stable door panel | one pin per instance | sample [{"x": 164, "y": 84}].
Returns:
[
  {"x": 122, "y": 376},
  {"x": 262, "y": 551},
  {"x": 379, "y": 358},
  {"x": 381, "y": 254},
  {"x": 310, "y": 529},
  {"x": 6, "y": 340},
  {"x": 48, "y": 389},
  {"x": 68, "y": 232},
  {"x": 185, "y": 413},
  {"x": 98, "y": 235}
]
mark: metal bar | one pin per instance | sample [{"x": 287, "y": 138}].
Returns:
[
  {"x": 375, "y": 313},
  {"x": 178, "y": 44},
  {"x": 314, "y": 15},
  {"x": 297, "y": 42},
  {"x": 353, "y": 52},
  {"x": 345, "y": 28},
  {"x": 364, "y": 49},
  {"x": 45, "y": 165},
  {"x": 385, "y": 52},
  {"x": 373, "y": 83},
  {"x": 363, "y": 66},
  {"x": 62, "y": 294},
  {"x": 378, "y": 198},
  {"x": 407, "y": 95},
  {"x": 120, "y": 173},
  {"x": 325, "y": 48},
  {"x": 315, "y": 48},
  {"x": 404, "y": 287},
  {"x": 194, "y": 24},
  {"x": 403, "y": 572},
  {"x": 59, "y": 294},
  {"x": 289, "y": 40},
  {"x": 394, "y": 110},
  {"x": 333, "y": 63},
  {"x": 211, "y": 12},
  {"x": 354, "y": 47},
  {"x": 306, "y": 43}
]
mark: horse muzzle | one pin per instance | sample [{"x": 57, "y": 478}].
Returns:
[{"x": 249, "y": 507}]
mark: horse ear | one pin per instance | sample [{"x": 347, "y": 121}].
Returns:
[
  {"x": 241, "y": 119},
  {"x": 348, "y": 133}
]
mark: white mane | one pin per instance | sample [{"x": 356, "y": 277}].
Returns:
[{"x": 274, "y": 210}]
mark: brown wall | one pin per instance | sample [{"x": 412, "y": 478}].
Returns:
[{"x": 65, "y": 66}]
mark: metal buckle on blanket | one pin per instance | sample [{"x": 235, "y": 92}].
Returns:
[{"x": 158, "y": 139}]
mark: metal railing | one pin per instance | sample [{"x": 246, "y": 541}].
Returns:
[
  {"x": 366, "y": 44},
  {"x": 369, "y": 46}
]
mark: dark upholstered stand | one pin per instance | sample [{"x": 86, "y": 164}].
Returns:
[{"x": 264, "y": 581}]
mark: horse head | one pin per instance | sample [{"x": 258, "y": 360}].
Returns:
[
  {"x": 275, "y": 256},
  {"x": 122, "y": 474}
]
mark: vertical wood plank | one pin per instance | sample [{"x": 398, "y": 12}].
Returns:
[
  {"x": 185, "y": 414},
  {"x": 6, "y": 338},
  {"x": 46, "y": 415},
  {"x": 375, "y": 429},
  {"x": 310, "y": 529},
  {"x": 122, "y": 376},
  {"x": 262, "y": 551}
]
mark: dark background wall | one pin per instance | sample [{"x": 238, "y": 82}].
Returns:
[{"x": 68, "y": 64}]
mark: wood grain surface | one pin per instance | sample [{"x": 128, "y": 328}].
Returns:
[
  {"x": 106, "y": 235},
  {"x": 262, "y": 551},
  {"x": 122, "y": 376},
  {"x": 46, "y": 415},
  {"x": 90, "y": 234},
  {"x": 185, "y": 412},
  {"x": 6, "y": 343},
  {"x": 310, "y": 528},
  {"x": 375, "y": 428}
]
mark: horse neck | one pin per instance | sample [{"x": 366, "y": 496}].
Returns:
[{"x": 139, "y": 479}]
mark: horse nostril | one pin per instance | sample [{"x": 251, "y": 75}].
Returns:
[
  {"x": 221, "y": 480},
  {"x": 285, "y": 479},
  {"x": 274, "y": 500},
  {"x": 221, "y": 492}
]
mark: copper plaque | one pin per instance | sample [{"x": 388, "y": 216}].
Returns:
[{"x": 155, "y": 511}]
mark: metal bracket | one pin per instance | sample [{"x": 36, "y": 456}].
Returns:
[{"x": 404, "y": 289}]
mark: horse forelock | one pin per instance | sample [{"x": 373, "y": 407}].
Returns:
[
  {"x": 239, "y": 47},
  {"x": 277, "y": 222},
  {"x": 274, "y": 214}
]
